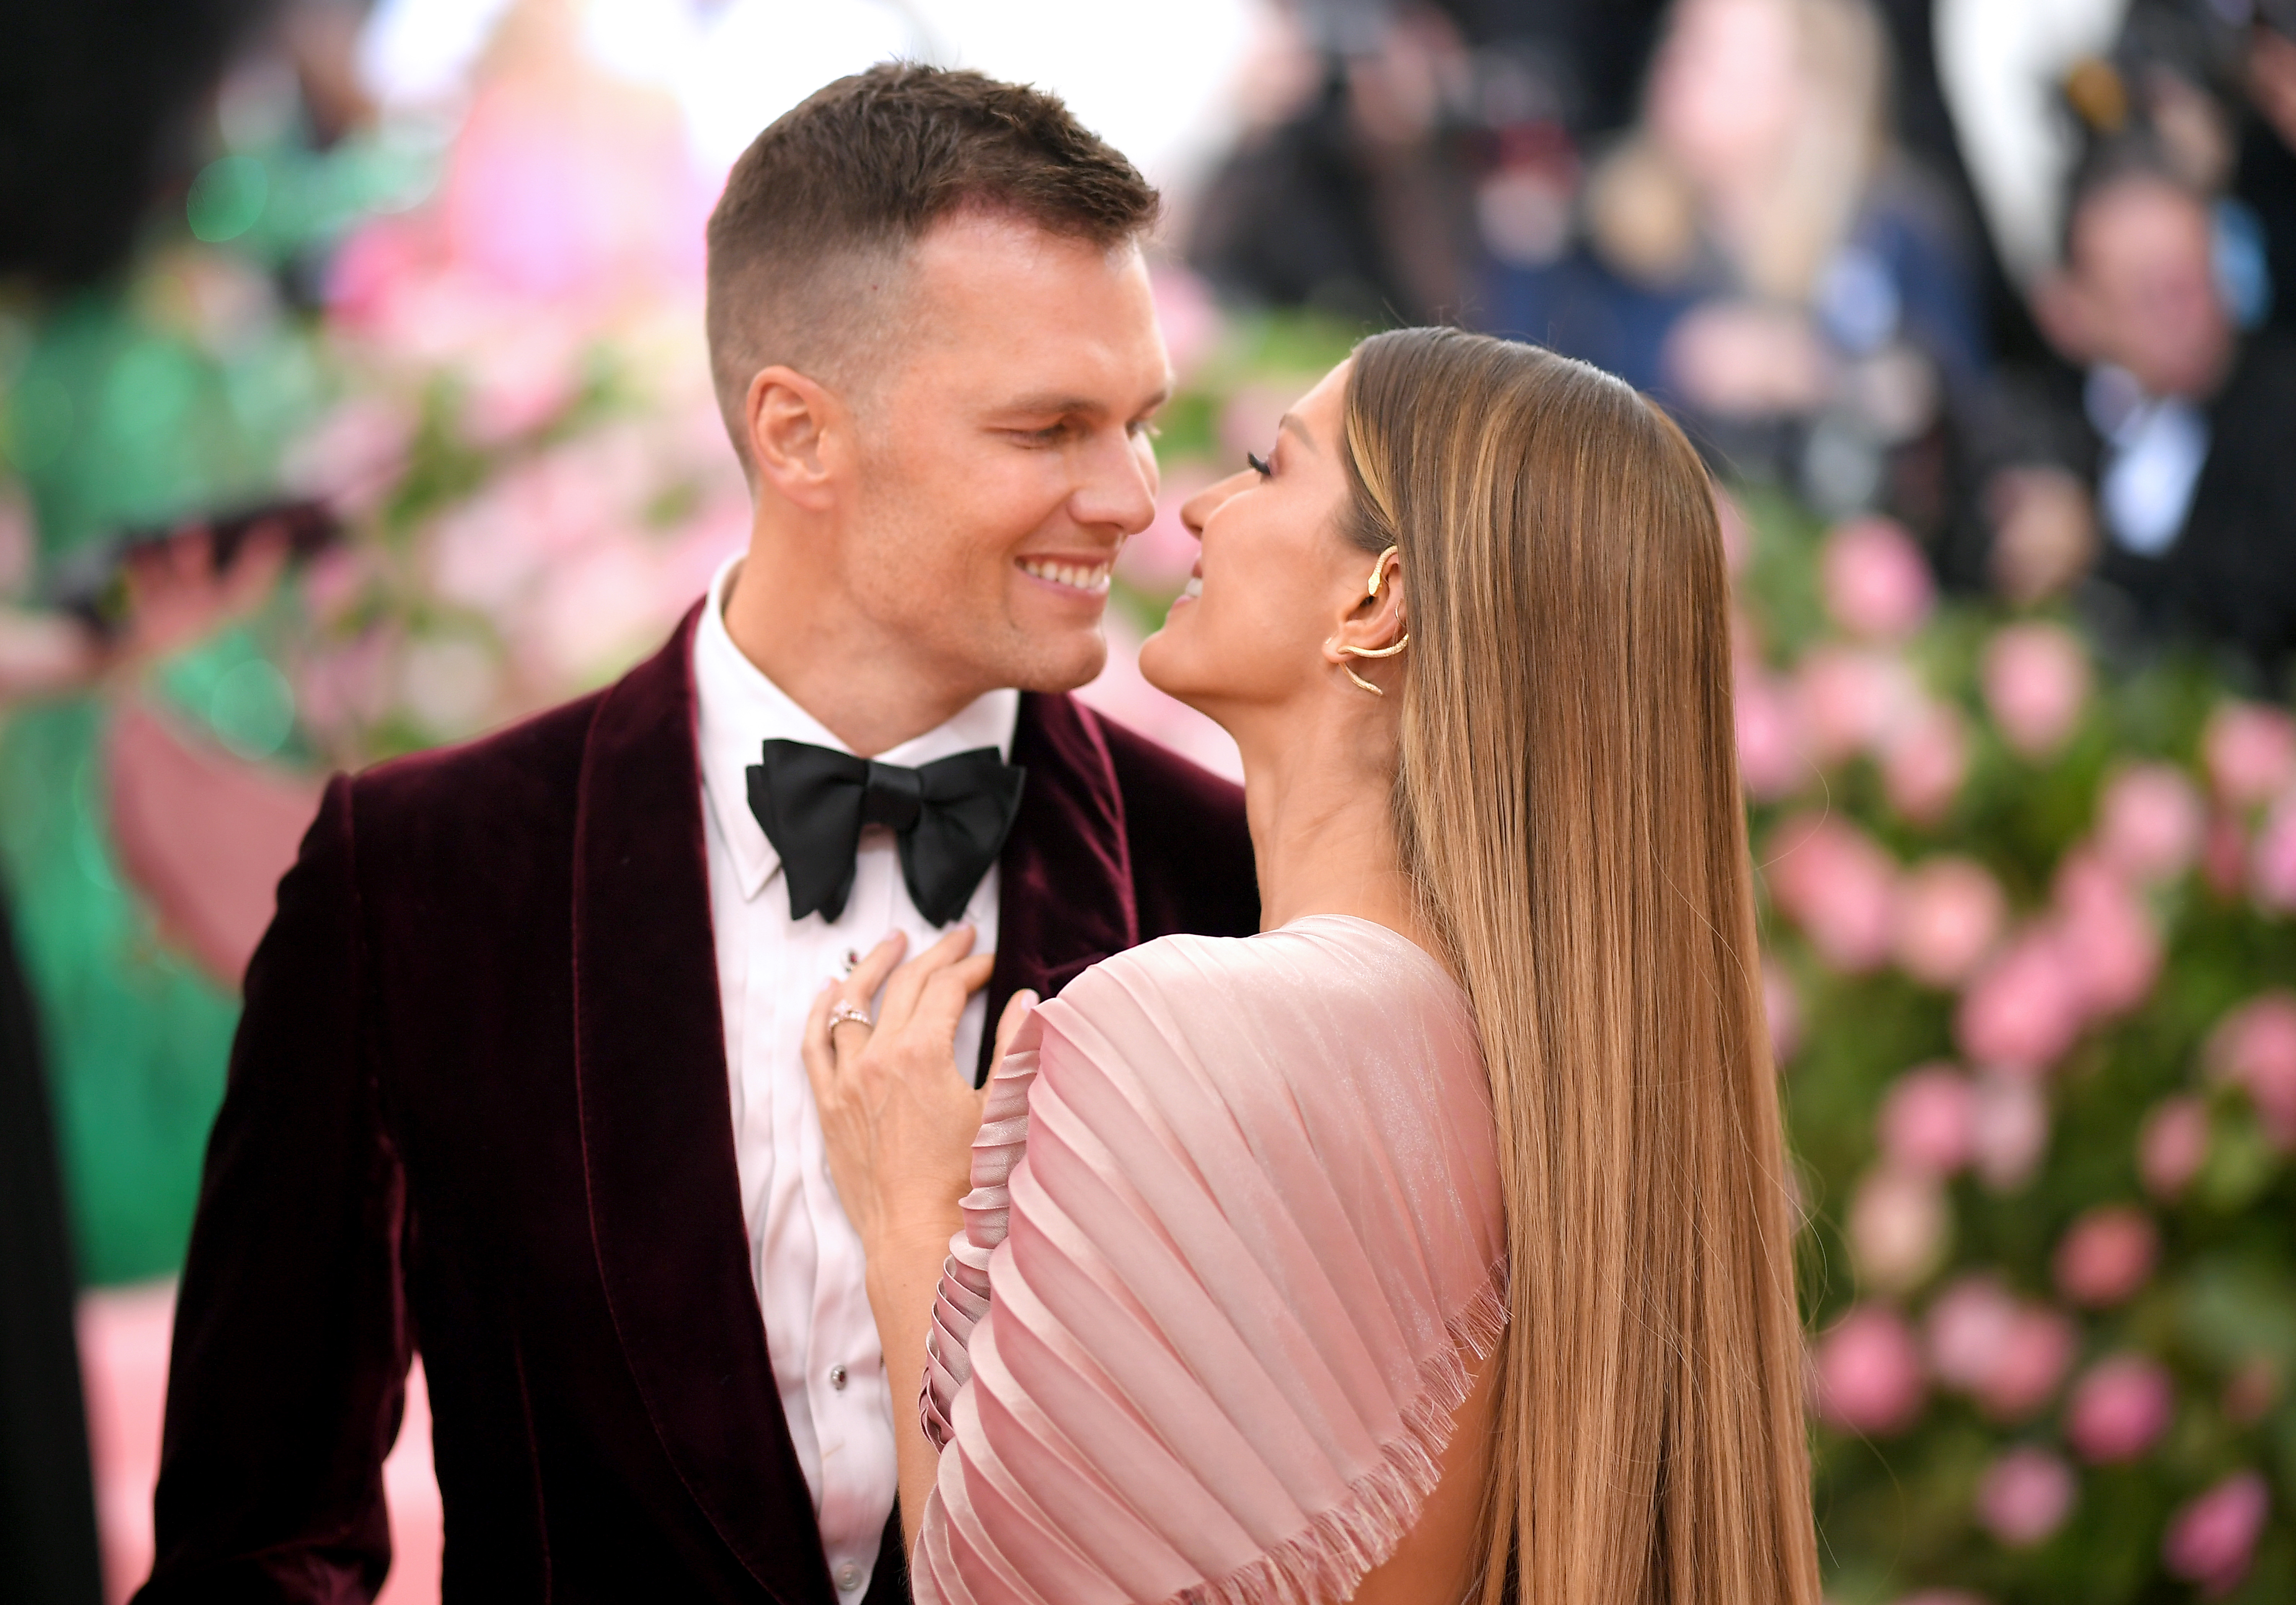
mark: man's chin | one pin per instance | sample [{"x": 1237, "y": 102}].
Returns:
[{"x": 1063, "y": 665}]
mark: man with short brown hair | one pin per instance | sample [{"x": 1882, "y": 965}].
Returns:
[{"x": 518, "y": 1082}]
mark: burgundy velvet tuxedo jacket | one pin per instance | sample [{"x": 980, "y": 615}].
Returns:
[{"x": 478, "y": 1105}]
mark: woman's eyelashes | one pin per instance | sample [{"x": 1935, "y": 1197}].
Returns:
[{"x": 1258, "y": 464}]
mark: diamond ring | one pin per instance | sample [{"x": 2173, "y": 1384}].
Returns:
[{"x": 847, "y": 1012}]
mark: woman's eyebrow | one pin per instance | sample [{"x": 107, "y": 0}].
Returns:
[{"x": 1288, "y": 422}]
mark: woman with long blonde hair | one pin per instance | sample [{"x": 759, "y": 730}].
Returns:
[{"x": 1434, "y": 1244}]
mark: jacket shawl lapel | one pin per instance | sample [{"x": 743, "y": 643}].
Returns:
[{"x": 658, "y": 1128}]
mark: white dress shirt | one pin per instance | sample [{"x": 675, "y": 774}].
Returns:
[{"x": 805, "y": 1255}]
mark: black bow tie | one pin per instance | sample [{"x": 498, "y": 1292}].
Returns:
[{"x": 950, "y": 818}]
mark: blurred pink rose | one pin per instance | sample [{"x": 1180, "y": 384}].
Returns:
[
  {"x": 2149, "y": 823},
  {"x": 2119, "y": 1408},
  {"x": 1770, "y": 760},
  {"x": 1927, "y": 1119},
  {"x": 1898, "y": 1224},
  {"x": 2035, "y": 1353},
  {"x": 2036, "y": 678},
  {"x": 2272, "y": 861},
  {"x": 1950, "y": 912},
  {"x": 2023, "y": 1009},
  {"x": 1782, "y": 1008},
  {"x": 2008, "y": 1130},
  {"x": 2106, "y": 1255},
  {"x": 2024, "y": 1497},
  {"x": 2254, "y": 1047},
  {"x": 2250, "y": 751},
  {"x": 1875, "y": 580},
  {"x": 2212, "y": 1538},
  {"x": 2172, "y": 1146},
  {"x": 1853, "y": 699},
  {"x": 1838, "y": 885},
  {"x": 1925, "y": 761},
  {"x": 1966, "y": 1328},
  {"x": 2106, "y": 935},
  {"x": 1868, "y": 1373}
]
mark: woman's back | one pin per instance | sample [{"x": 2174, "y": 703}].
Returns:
[{"x": 1252, "y": 1251}]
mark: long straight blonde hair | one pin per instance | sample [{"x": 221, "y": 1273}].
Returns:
[{"x": 1569, "y": 803}]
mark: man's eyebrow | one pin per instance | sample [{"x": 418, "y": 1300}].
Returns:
[
  {"x": 1050, "y": 402},
  {"x": 1288, "y": 422},
  {"x": 1054, "y": 403}
]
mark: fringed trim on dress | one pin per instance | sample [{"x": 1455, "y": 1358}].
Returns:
[{"x": 1338, "y": 1548}]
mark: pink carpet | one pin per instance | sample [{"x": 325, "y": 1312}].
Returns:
[{"x": 123, "y": 1342}]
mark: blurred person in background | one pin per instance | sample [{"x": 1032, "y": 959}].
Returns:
[
  {"x": 1347, "y": 194},
  {"x": 1759, "y": 252},
  {"x": 168, "y": 181},
  {"x": 2177, "y": 434}
]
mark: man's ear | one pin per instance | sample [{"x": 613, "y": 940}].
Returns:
[{"x": 797, "y": 431}]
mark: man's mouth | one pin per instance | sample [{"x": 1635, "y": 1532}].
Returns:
[{"x": 1090, "y": 578}]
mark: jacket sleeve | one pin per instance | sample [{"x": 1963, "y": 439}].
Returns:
[{"x": 291, "y": 1341}]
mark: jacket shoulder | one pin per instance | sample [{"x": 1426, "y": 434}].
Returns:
[{"x": 493, "y": 780}]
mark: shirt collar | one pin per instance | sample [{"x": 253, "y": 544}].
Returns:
[{"x": 738, "y": 709}]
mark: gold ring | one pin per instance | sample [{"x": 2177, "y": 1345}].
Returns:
[{"x": 847, "y": 1012}]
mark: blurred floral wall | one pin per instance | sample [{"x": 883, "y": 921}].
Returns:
[{"x": 2031, "y": 963}]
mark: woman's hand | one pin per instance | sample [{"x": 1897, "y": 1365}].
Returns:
[{"x": 897, "y": 1114}]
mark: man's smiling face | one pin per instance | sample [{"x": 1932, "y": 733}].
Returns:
[{"x": 1007, "y": 453}]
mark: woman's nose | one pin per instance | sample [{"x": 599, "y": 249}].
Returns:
[{"x": 1199, "y": 507}]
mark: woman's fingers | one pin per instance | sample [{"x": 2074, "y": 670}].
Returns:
[
  {"x": 1016, "y": 1011},
  {"x": 908, "y": 982},
  {"x": 858, "y": 987},
  {"x": 815, "y": 1047},
  {"x": 945, "y": 993}
]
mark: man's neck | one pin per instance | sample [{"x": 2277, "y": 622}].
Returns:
[{"x": 864, "y": 691}]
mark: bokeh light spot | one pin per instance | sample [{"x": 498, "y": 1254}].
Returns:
[{"x": 227, "y": 198}]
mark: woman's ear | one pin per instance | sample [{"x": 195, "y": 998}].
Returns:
[
  {"x": 1374, "y": 626},
  {"x": 794, "y": 427}
]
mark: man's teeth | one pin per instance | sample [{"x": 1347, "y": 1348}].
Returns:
[
  {"x": 1194, "y": 587},
  {"x": 1075, "y": 576}
]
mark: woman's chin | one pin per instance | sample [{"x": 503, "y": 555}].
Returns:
[{"x": 1156, "y": 667}]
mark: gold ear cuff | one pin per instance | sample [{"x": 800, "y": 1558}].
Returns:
[{"x": 1378, "y": 573}]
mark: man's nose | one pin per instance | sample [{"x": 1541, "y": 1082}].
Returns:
[{"x": 1119, "y": 488}]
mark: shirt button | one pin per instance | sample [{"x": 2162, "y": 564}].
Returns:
[
  {"x": 849, "y": 1577},
  {"x": 837, "y": 1381}
]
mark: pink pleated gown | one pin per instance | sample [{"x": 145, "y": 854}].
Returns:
[{"x": 1235, "y": 1242}]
